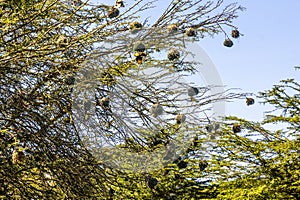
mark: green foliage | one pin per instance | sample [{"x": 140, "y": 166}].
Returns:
[
  {"x": 44, "y": 48},
  {"x": 259, "y": 163}
]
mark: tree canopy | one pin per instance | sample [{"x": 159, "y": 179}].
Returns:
[{"x": 77, "y": 76}]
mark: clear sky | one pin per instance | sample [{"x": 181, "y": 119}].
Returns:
[{"x": 267, "y": 53}]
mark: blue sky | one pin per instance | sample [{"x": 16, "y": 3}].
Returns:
[{"x": 266, "y": 53}]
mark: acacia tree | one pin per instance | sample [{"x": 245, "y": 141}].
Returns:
[
  {"x": 256, "y": 160},
  {"x": 52, "y": 50}
]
